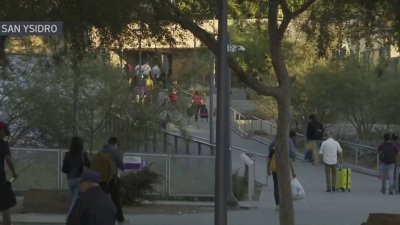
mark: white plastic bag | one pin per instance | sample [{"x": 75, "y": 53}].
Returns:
[{"x": 297, "y": 190}]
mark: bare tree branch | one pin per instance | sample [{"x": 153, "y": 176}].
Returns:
[
  {"x": 273, "y": 16},
  {"x": 283, "y": 27},
  {"x": 250, "y": 79},
  {"x": 285, "y": 8},
  {"x": 302, "y": 8}
]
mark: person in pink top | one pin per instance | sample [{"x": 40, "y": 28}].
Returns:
[{"x": 197, "y": 100}]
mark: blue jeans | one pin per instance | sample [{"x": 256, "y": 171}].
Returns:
[
  {"x": 387, "y": 173},
  {"x": 73, "y": 185}
]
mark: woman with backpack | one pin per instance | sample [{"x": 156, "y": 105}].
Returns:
[
  {"x": 75, "y": 160},
  {"x": 272, "y": 164}
]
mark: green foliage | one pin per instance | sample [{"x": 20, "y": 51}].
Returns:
[
  {"x": 388, "y": 106},
  {"x": 49, "y": 95},
  {"x": 267, "y": 108},
  {"x": 242, "y": 9},
  {"x": 332, "y": 23},
  {"x": 196, "y": 70},
  {"x": 239, "y": 185},
  {"x": 135, "y": 186},
  {"x": 39, "y": 105},
  {"x": 347, "y": 90},
  {"x": 254, "y": 37}
]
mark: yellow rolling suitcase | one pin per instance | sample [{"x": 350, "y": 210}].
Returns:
[{"x": 343, "y": 179}]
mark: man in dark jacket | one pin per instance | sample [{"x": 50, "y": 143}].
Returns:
[
  {"x": 113, "y": 186},
  {"x": 315, "y": 133},
  {"x": 93, "y": 206}
]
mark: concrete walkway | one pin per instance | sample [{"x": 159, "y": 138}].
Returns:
[{"x": 317, "y": 208}]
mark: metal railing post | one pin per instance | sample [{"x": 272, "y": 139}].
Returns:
[
  {"x": 154, "y": 142},
  {"x": 198, "y": 148},
  {"x": 165, "y": 142},
  {"x": 251, "y": 177},
  {"x": 252, "y": 126},
  {"x": 176, "y": 144},
  {"x": 168, "y": 175},
  {"x": 59, "y": 176},
  {"x": 356, "y": 156},
  {"x": 266, "y": 169}
]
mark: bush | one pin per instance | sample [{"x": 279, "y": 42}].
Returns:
[
  {"x": 239, "y": 185},
  {"x": 134, "y": 186}
]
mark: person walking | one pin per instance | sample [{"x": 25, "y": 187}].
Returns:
[
  {"x": 93, "y": 206},
  {"x": 395, "y": 141},
  {"x": 149, "y": 83},
  {"x": 396, "y": 176},
  {"x": 75, "y": 160},
  {"x": 112, "y": 185},
  {"x": 6, "y": 194},
  {"x": 272, "y": 167},
  {"x": 388, "y": 157},
  {"x": 330, "y": 149},
  {"x": 314, "y": 135},
  {"x": 197, "y": 100}
]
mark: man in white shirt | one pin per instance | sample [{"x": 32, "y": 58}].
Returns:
[{"x": 330, "y": 149}]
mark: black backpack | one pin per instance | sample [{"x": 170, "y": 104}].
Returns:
[{"x": 388, "y": 153}]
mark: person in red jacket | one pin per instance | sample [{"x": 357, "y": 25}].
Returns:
[
  {"x": 173, "y": 96},
  {"x": 197, "y": 100}
]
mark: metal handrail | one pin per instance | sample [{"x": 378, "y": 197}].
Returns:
[
  {"x": 302, "y": 135},
  {"x": 205, "y": 142},
  {"x": 354, "y": 146},
  {"x": 200, "y": 140}
]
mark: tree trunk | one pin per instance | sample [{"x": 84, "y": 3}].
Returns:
[
  {"x": 275, "y": 32},
  {"x": 286, "y": 210},
  {"x": 75, "y": 99}
]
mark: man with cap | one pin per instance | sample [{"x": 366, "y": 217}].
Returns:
[
  {"x": 6, "y": 195},
  {"x": 93, "y": 206}
]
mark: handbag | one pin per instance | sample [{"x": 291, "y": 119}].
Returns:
[
  {"x": 297, "y": 189},
  {"x": 7, "y": 196}
]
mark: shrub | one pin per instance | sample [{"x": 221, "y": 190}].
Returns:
[
  {"x": 134, "y": 186},
  {"x": 239, "y": 185}
]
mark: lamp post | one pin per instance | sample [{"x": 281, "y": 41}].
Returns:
[
  {"x": 223, "y": 126},
  {"x": 212, "y": 90}
]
